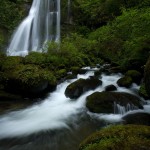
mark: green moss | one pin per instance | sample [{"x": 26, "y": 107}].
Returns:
[
  {"x": 36, "y": 58},
  {"x": 32, "y": 75},
  {"x": 133, "y": 73},
  {"x": 75, "y": 69},
  {"x": 147, "y": 77},
  {"x": 125, "y": 81},
  {"x": 11, "y": 62},
  {"x": 119, "y": 137},
  {"x": 103, "y": 102},
  {"x": 61, "y": 73},
  {"x": 143, "y": 92}
]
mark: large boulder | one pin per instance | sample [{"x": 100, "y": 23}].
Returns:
[
  {"x": 139, "y": 118},
  {"x": 104, "y": 102},
  {"x": 120, "y": 137},
  {"x": 29, "y": 80},
  {"x": 77, "y": 88}
]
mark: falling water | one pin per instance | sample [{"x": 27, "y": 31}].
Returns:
[
  {"x": 118, "y": 109},
  {"x": 41, "y": 25}
]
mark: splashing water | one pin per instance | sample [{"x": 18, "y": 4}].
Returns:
[{"x": 56, "y": 111}]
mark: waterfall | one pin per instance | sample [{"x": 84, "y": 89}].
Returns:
[
  {"x": 41, "y": 25},
  {"x": 118, "y": 109}
]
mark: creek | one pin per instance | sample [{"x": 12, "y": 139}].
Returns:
[{"x": 57, "y": 122}]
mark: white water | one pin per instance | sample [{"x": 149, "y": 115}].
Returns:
[
  {"x": 56, "y": 111},
  {"x": 41, "y": 25}
]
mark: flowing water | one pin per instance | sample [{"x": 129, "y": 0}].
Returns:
[
  {"x": 41, "y": 25},
  {"x": 57, "y": 122}
]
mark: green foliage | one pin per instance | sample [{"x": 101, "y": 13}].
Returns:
[
  {"x": 96, "y": 12},
  {"x": 118, "y": 137},
  {"x": 35, "y": 58},
  {"x": 11, "y": 62},
  {"x": 65, "y": 53},
  {"x": 126, "y": 37},
  {"x": 32, "y": 75},
  {"x": 10, "y": 14}
]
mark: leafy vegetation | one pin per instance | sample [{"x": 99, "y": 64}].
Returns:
[{"x": 126, "y": 37}]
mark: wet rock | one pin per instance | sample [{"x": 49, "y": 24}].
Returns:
[
  {"x": 138, "y": 118},
  {"x": 103, "y": 102},
  {"x": 142, "y": 92},
  {"x": 125, "y": 81},
  {"x": 147, "y": 77},
  {"x": 135, "y": 75},
  {"x": 77, "y": 88},
  {"x": 110, "y": 88}
]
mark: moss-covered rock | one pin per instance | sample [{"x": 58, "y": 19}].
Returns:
[
  {"x": 125, "y": 81},
  {"x": 103, "y": 102},
  {"x": 135, "y": 75},
  {"x": 11, "y": 62},
  {"x": 139, "y": 118},
  {"x": 29, "y": 79},
  {"x": 129, "y": 137},
  {"x": 77, "y": 88},
  {"x": 142, "y": 92},
  {"x": 61, "y": 73},
  {"x": 147, "y": 77}
]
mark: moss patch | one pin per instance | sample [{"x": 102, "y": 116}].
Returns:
[{"x": 127, "y": 137}]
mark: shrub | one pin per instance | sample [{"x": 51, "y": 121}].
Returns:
[{"x": 126, "y": 37}]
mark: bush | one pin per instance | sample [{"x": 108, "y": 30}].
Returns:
[{"x": 126, "y": 37}]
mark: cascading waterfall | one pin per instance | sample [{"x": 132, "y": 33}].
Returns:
[
  {"x": 41, "y": 25},
  {"x": 118, "y": 109}
]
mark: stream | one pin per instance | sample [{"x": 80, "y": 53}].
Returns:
[{"x": 57, "y": 122}]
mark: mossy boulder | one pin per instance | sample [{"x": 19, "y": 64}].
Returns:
[
  {"x": 110, "y": 88},
  {"x": 147, "y": 77},
  {"x": 135, "y": 75},
  {"x": 77, "y": 88},
  {"x": 139, "y": 118},
  {"x": 125, "y": 81},
  {"x": 29, "y": 79},
  {"x": 104, "y": 102},
  {"x": 142, "y": 92},
  {"x": 121, "y": 137}
]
